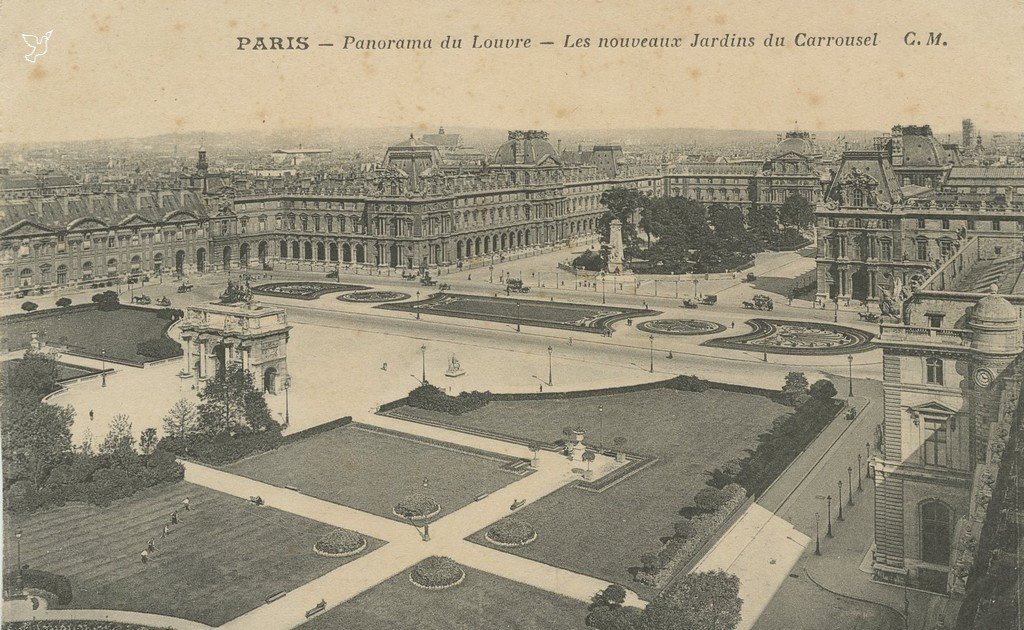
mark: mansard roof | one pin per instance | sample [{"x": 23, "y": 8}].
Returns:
[{"x": 100, "y": 210}]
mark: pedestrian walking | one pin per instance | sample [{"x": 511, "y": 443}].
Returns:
[
  {"x": 187, "y": 504},
  {"x": 424, "y": 482},
  {"x": 167, "y": 530},
  {"x": 145, "y": 556},
  {"x": 151, "y": 547},
  {"x": 732, "y": 325},
  {"x": 174, "y": 517},
  {"x": 90, "y": 415}
]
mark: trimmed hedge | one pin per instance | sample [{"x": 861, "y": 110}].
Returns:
[
  {"x": 224, "y": 448},
  {"x": 678, "y": 550},
  {"x": 432, "y": 398},
  {"x": 58, "y": 585},
  {"x": 777, "y": 448}
]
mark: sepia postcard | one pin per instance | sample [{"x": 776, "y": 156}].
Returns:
[{"x": 512, "y": 315}]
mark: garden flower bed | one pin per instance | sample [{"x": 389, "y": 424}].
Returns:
[
  {"x": 417, "y": 507},
  {"x": 436, "y": 573},
  {"x": 339, "y": 544},
  {"x": 511, "y": 532}
]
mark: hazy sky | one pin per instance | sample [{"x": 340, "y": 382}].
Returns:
[{"x": 135, "y": 68}]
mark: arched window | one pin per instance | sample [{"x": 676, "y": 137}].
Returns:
[
  {"x": 857, "y": 197},
  {"x": 935, "y": 532}
]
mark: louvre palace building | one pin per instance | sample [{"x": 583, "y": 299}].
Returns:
[{"x": 425, "y": 205}]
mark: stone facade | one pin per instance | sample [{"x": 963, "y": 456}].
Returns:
[{"x": 947, "y": 367}]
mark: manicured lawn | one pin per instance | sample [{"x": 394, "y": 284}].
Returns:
[
  {"x": 372, "y": 472},
  {"x": 481, "y": 601},
  {"x": 65, "y": 371},
  {"x": 87, "y": 331},
  {"x": 222, "y": 559},
  {"x": 604, "y": 534}
]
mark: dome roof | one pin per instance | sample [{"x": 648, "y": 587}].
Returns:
[
  {"x": 923, "y": 150},
  {"x": 993, "y": 309},
  {"x": 529, "y": 147},
  {"x": 796, "y": 142}
]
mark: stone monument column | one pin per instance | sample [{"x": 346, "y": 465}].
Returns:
[{"x": 615, "y": 253}]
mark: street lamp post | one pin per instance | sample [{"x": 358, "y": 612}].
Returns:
[
  {"x": 849, "y": 359},
  {"x": 860, "y": 487},
  {"x": 417, "y": 310},
  {"x": 103, "y": 368},
  {"x": 840, "y": 501},
  {"x": 828, "y": 499},
  {"x": 423, "y": 353},
  {"x": 817, "y": 539},
  {"x": 651, "y": 337},
  {"x": 287, "y": 385},
  {"x": 550, "y": 380},
  {"x": 867, "y": 460},
  {"x": 602, "y": 290},
  {"x": 849, "y": 485},
  {"x": 17, "y": 536},
  {"x": 695, "y": 283},
  {"x": 519, "y": 319}
]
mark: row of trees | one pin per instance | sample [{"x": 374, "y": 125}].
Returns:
[{"x": 682, "y": 235}]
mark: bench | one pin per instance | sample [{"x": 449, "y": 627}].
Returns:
[{"x": 273, "y": 597}]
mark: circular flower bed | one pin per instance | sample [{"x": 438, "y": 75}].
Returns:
[
  {"x": 511, "y": 532},
  {"x": 374, "y": 296},
  {"x": 340, "y": 543},
  {"x": 680, "y": 327},
  {"x": 437, "y": 572},
  {"x": 417, "y": 507}
]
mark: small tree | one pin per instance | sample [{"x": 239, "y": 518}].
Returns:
[
  {"x": 683, "y": 528},
  {"x": 180, "y": 421},
  {"x": 710, "y": 499},
  {"x": 794, "y": 387},
  {"x": 589, "y": 456},
  {"x": 64, "y": 302},
  {"x": 823, "y": 390},
  {"x": 534, "y": 449},
  {"x": 650, "y": 562},
  {"x": 147, "y": 441},
  {"x": 613, "y": 596},
  {"x": 28, "y": 307},
  {"x": 107, "y": 301}
]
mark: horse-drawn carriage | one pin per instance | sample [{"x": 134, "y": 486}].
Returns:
[
  {"x": 874, "y": 318},
  {"x": 184, "y": 287},
  {"x": 141, "y": 298},
  {"x": 688, "y": 303},
  {"x": 709, "y": 300},
  {"x": 515, "y": 285},
  {"x": 760, "y": 302}
]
